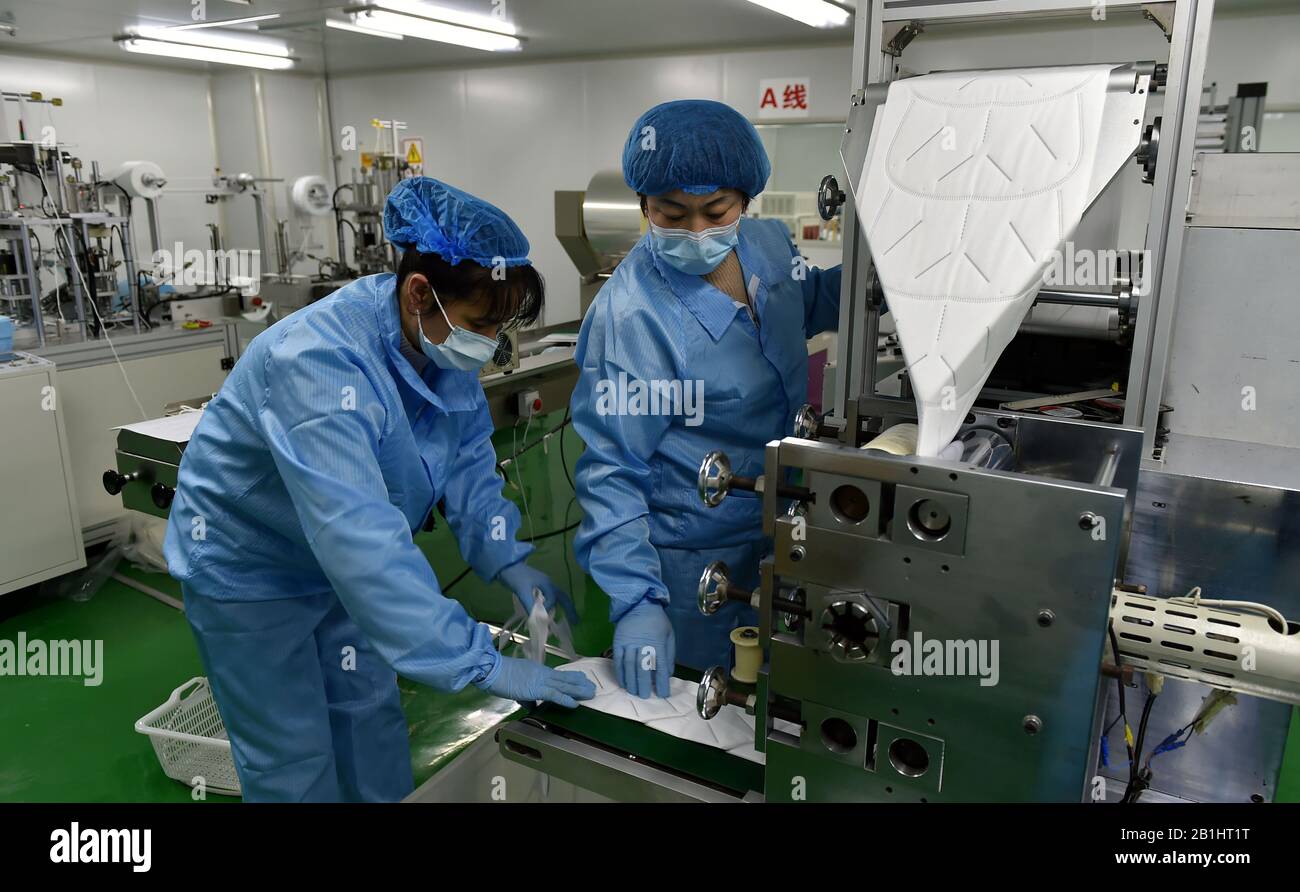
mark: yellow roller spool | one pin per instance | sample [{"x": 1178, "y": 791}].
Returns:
[
  {"x": 749, "y": 656},
  {"x": 898, "y": 440}
]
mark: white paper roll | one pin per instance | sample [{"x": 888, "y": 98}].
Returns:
[
  {"x": 140, "y": 179},
  {"x": 311, "y": 196}
]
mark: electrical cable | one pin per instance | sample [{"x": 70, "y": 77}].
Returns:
[{"x": 72, "y": 262}]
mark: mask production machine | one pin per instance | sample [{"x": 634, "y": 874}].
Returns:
[{"x": 1102, "y": 501}]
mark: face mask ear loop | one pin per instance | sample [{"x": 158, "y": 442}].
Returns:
[{"x": 438, "y": 301}]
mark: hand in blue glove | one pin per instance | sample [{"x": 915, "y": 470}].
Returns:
[
  {"x": 528, "y": 682},
  {"x": 644, "y": 650},
  {"x": 522, "y": 579}
]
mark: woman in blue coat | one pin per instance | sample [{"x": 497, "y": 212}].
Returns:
[
  {"x": 716, "y": 308},
  {"x": 335, "y": 435}
]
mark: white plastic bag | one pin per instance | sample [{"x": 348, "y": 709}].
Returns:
[{"x": 542, "y": 625}]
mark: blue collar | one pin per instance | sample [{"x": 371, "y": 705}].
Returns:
[
  {"x": 451, "y": 391},
  {"x": 715, "y": 310}
]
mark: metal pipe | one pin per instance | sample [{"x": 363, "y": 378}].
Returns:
[
  {"x": 155, "y": 236},
  {"x": 1109, "y": 465},
  {"x": 261, "y": 227},
  {"x": 133, "y": 280},
  {"x": 1078, "y": 298}
]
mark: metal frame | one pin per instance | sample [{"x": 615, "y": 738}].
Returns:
[
  {"x": 612, "y": 774},
  {"x": 873, "y": 65},
  {"x": 68, "y": 226}
]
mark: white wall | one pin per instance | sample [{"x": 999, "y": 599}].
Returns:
[
  {"x": 284, "y": 143},
  {"x": 515, "y": 134},
  {"x": 115, "y": 113},
  {"x": 122, "y": 112}
]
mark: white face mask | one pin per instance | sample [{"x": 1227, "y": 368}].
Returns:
[
  {"x": 696, "y": 253},
  {"x": 463, "y": 350}
]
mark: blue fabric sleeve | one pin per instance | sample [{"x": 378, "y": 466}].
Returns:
[
  {"x": 476, "y": 509},
  {"x": 614, "y": 477},
  {"x": 325, "y": 448}
]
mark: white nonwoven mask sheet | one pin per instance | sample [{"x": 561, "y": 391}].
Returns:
[
  {"x": 732, "y": 729},
  {"x": 973, "y": 181}
]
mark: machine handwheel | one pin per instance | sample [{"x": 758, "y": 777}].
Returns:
[{"x": 714, "y": 478}]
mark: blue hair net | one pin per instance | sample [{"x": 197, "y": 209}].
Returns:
[
  {"x": 434, "y": 218},
  {"x": 697, "y": 145}
]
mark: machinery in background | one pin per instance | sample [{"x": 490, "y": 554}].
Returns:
[
  {"x": 1043, "y": 533},
  {"x": 597, "y": 227},
  {"x": 57, "y": 216},
  {"x": 363, "y": 213},
  {"x": 1236, "y": 126}
]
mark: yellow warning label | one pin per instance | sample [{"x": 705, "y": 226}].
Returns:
[{"x": 413, "y": 154}]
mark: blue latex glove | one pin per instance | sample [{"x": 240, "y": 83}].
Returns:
[
  {"x": 528, "y": 682},
  {"x": 522, "y": 579},
  {"x": 644, "y": 650}
]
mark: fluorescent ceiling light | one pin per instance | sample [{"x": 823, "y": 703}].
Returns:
[
  {"x": 235, "y": 42},
  {"x": 443, "y": 14},
  {"x": 153, "y": 47},
  {"x": 817, "y": 13},
  {"x": 349, "y": 26},
  {"x": 442, "y": 32},
  {"x": 222, "y": 24}
]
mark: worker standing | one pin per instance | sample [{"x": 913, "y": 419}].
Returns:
[
  {"x": 708, "y": 305},
  {"x": 336, "y": 434}
]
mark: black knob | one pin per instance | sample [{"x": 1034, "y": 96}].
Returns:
[
  {"x": 114, "y": 481},
  {"x": 830, "y": 198},
  {"x": 162, "y": 495}
]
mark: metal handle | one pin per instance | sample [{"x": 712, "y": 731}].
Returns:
[
  {"x": 711, "y": 695},
  {"x": 162, "y": 495},
  {"x": 114, "y": 480},
  {"x": 714, "y": 479},
  {"x": 830, "y": 197}
]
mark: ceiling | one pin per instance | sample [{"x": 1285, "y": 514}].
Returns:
[{"x": 552, "y": 29}]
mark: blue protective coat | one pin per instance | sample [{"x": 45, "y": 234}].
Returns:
[
  {"x": 291, "y": 533},
  {"x": 645, "y": 533}
]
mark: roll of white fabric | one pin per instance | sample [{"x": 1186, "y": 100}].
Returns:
[
  {"x": 973, "y": 182},
  {"x": 311, "y": 196},
  {"x": 140, "y": 179}
]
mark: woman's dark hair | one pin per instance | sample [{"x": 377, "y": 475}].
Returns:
[
  {"x": 645, "y": 210},
  {"x": 509, "y": 296}
]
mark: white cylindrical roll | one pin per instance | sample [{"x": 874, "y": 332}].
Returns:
[
  {"x": 311, "y": 196},
  {"x": 140, "y": 179},
  {"x": 898, "y": 440},
  {"x": 749, "y": 656}
]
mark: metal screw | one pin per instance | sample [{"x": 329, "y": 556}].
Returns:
[
  {"x": 1032, "y": 724},
  {"x": 1046, "y": 618},
  {"x": 797, "y": 553},
  {"x": 1088, "y": 520}
]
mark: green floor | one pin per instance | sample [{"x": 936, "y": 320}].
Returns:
[{"x": 64, "y": 741}]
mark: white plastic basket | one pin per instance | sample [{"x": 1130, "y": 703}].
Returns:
[{"x": 190, "y": 740}]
